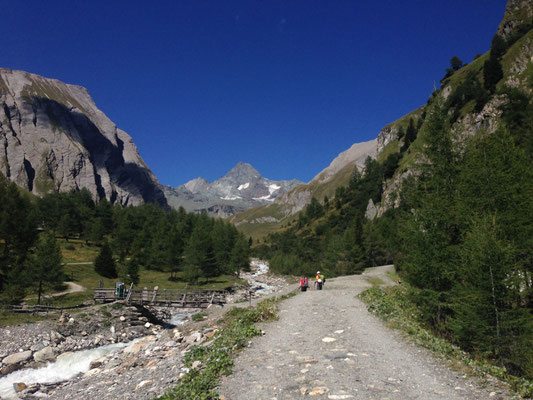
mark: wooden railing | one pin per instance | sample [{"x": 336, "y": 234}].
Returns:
[{"x": 197, "y": 298}]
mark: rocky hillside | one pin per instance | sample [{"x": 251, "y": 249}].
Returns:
[
  {"x": 472, "y": 107},
  {"x": 54, "y": 139},
  {"x": 241, "y": 188},
  {"x": 262, "y": 220}
]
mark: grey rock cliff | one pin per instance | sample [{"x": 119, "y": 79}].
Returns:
[
  {"x": 53, "y": 138},
  {"x": 355, "y": 155}
]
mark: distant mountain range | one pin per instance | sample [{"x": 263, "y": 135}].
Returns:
[
  {"x": 241, "y": 188},
  {"x": 269, "y": 217},
  {"x": 54, "y": 139}
]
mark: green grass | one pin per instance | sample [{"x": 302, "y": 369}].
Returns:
[
  {"x": 375, "y": 281},
  {"x": 10, "y": 319},
  {"x": 199, "y": 316},
  {"x": 391, "y": 148},
  {"x": 78, "y": 251},
  {"x": 393, "y": 275},
  {"x": 393, "y": 305}
]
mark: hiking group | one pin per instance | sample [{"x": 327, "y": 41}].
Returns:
[{"x": 319, "y": 282}]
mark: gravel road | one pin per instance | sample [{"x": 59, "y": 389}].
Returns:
[{"x": 327, "y": 346}]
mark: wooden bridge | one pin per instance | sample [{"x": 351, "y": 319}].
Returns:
[{"x": 183, "y": 298}]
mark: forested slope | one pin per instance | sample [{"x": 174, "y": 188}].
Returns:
[{"x": 186, "y": 246}]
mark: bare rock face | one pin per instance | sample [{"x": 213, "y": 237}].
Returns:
[
  {"x": 517, "y": 13},
  {"x": 53, "y": 138},
  {"x": 355, "y": 155}
]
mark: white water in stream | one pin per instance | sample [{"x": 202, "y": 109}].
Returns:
[
  {"x": 179, "y": 319},
  {"x": 65, "y": 368},
  {"x": 261, "y": 269}
]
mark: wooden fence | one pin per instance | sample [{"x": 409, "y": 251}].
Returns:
[{"x": 194, "y": 298}]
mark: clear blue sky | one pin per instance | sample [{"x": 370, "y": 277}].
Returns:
[{"x": 284, "y": 85}]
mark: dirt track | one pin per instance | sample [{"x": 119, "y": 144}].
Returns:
[{"x": 327, "y": 346}]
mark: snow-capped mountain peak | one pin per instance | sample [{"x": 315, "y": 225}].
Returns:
[{"x": 241, "y": 188}]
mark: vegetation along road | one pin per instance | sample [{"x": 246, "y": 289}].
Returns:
[{"x": 326, "y": 345}]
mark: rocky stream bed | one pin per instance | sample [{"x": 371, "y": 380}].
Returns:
[{"x": 112, "y": 351}]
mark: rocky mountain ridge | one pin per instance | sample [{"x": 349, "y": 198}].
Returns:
[
  {"x": 241, "y": 188},
  {"x": 54, "y": 139},
  {"x": 323, "y": 184}
]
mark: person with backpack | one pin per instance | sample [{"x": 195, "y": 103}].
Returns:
[
  {"x": 304, "y": 284},
  {"x": 318, "y": 281}
]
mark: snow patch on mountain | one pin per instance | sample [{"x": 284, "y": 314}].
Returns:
[
  {"x": 267, "y": 198},
  {"x": 244, "y": 186},
  {"x": 272, "y": 188}
]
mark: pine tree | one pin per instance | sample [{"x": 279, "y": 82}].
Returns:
[
  {"x": 18, "y": 233},
  {"x": 240, "y": 255},
  {"x": 487, "y": 316},
  {"x": 199, "y": 254},
  {"x": 492, "y": 73},
  {"x": 431, "y": 234},
  {"x": 492, "y": 69},
  {"x": 130, "y": 271},
  {"x": 104, "y": 264},
  {"x": 44, "y": 267},
  {"x": 410, "y": 135}
]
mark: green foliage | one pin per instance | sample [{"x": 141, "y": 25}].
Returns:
[
  {"x": 240, "y": 255},
  {"x": 314, "y": 209},
  {"x": 395, "y": 306},
  {"x": 336, "y": 240},
  {"x": 199, "y": 316},
  {"x": 18, "y": 233},
  {"x": 129, "y": 273},
  {"x": 465, "y": 241},
  {"x": 390, "y": 165},
  {"x": 455, "y": 65},
  {"x": 468, "y": 90},
  {"x": 44, "y": 267},
  {"x": 105, "y": 264},
  {"x": 492, "y": 69}
]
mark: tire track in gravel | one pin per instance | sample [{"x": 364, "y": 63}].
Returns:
[{"x": 326, "y": 345}]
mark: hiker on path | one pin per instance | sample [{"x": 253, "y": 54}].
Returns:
[
  {"x": 304, "y": 283},
  {"x": 319, "y": 281}
]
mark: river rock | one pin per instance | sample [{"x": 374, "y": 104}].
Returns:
[
  {"x": 194, "y": 337},
  {"x": 135, "y": 347},
  {"x": 19, "y": 386},
  {"x": 17, "y": 357},
  {"x": 318, "y": 391},
  {"x": 46, "y": 354},
  {"x": 9, "y": 369},
  {"x": 56, "y": 337},
  {"x": 97, "y": 363},
  {"x": 143, "y": 384}
]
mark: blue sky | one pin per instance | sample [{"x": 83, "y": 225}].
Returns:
[{"x": 284, "y": 85}]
